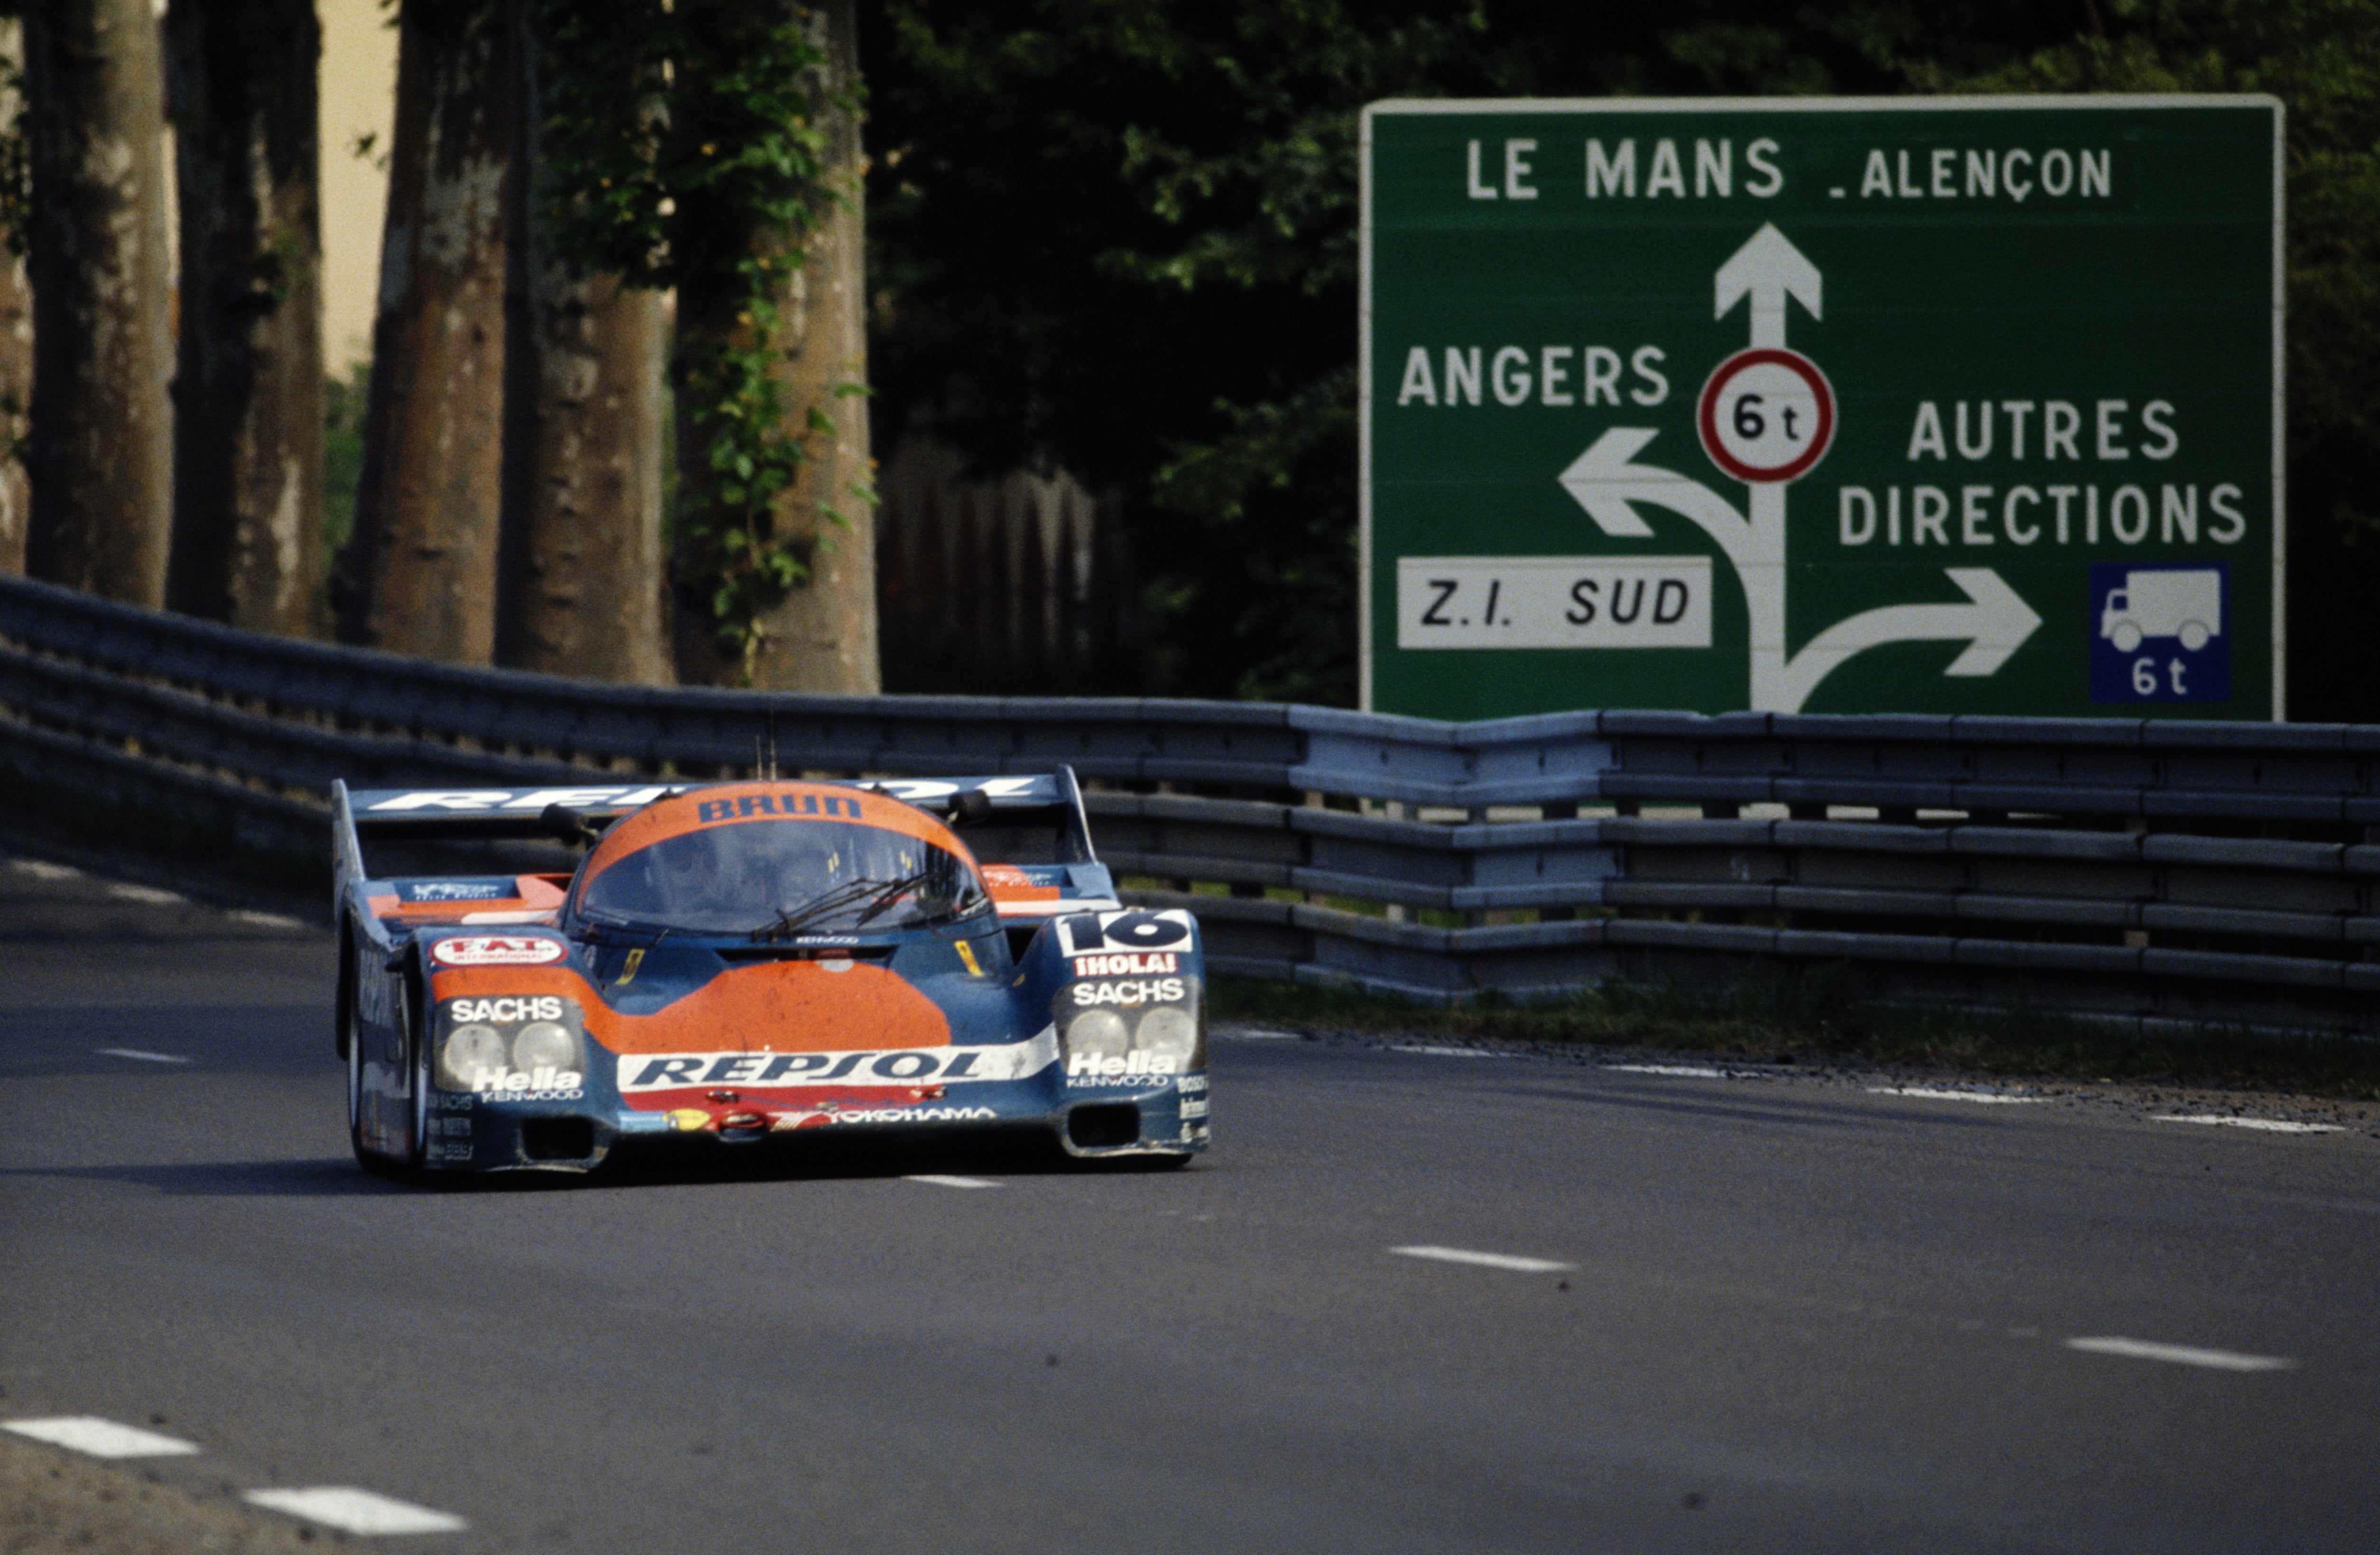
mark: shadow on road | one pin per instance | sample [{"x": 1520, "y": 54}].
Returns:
[
  {"x": 1815, "y": 1115},
  {"x": 673, "y": 1162}
]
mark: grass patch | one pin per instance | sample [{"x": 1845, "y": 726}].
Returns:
[{"x": 1818, "y": 1016}]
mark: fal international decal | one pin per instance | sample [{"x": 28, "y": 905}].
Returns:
[{"x": 496, "y": 949}]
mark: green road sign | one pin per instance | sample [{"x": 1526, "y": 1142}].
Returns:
[{"x": 1949, "y": 404}]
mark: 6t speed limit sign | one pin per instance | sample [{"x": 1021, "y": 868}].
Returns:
[{"x": 1766, "y": 415}]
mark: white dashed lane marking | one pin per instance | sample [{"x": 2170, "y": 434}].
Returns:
[
  {"x": 1689, "y": 1071},
  {"x": 1931, "y": 1093},
  {"x": 138, "y": 1054},
  {"x": 2268, "y": 1125},
  {"x": 264, "y": 920},
  {"x": 101, "y": 1439},
  {"x": 148, "y": 894},
  {"x": 42, "y": 871},
  {"x": 940, "y": 1181},
  {"x": 2180, "y": 1354},
  {"x": 1449, "y": 1052},
  {"x": 357, "y": 1512},
  {"x": 1485, "y": 1260}
]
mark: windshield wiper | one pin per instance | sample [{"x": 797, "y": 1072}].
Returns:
[
  {"x": 878, "y": 896},
  {"x": 891, "y": 894},
  {"x": 791, "y": 919}
]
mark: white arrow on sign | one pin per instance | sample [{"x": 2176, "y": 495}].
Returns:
[
  {"x": 1768, "y": 268},
  {"x": 1605, "y": 481},
  {"x": 1995, "y": 623}
]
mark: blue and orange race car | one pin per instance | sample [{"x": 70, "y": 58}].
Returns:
[{"x": 733, "y": 962}]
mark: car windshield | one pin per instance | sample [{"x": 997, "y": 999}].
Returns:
[{"x": 772, "y": 878}]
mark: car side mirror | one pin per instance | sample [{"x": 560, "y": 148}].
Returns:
[{"x": 568, "y": 824}]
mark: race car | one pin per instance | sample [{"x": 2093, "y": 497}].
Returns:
[{"x": 735, "y": 962}]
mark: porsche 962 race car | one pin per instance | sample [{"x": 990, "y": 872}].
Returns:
[{"x": 732, "y": 962}]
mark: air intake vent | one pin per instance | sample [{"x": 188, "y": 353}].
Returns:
[
  {"x": 1104, "y": 1125},
  {"x": 557, "y": 1139}
]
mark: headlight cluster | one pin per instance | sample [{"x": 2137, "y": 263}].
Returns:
[
  {"x": 511, "y": 1047},
  {"x": 1158, "y": 1041}
]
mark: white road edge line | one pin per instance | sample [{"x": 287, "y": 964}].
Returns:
[
  {"x": 1932, "y": 1093},
  {"x": 100, "y": 1438},
  {"x": 1691, "y": 1071},
  {"x": 940, "y": 1181},
  {"x": 2268, "y": 1125},
  {"x": 136, "y": 1052},
  {"x": 357, "y": 1512},
  {"x": 1486, "y": 1260},
  {"x": 2180, "y": 1354}
]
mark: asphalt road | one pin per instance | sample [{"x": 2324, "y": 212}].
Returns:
[{"x": 1790, "y": 1315}]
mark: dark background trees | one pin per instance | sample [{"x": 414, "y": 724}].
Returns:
[
  {"x": 711, "y": 147},
  {"x": 100, "y": 446},
  {"x": 1114, "y": 235},
  {"x": 248, "y": 387},
  {"x": 1120, "y": 237},
  {"x": 422, "y": 566}
]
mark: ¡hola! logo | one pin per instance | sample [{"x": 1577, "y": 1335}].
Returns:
[{"x": 495, "y": 950}]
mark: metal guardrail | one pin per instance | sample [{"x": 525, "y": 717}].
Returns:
[{"x": 2142, "y": 869}]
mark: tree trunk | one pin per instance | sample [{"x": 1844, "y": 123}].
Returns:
[
  {"x": 102, "y": 444},
  {"x": 581, "y": 581},
  {"x": 249, "y": 546},
  {"x": 15, "y": 336},
  {"x": 823, "y": 636},
  {"x": 423, "y": 565}
]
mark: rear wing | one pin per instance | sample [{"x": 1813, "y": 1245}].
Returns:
[{"x": 1034, "y": 819}]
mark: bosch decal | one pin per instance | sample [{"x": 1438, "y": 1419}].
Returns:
[{"x": 496, "y": 949}]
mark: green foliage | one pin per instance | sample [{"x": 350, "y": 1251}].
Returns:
[
  {"x": 685, "y": 148},
  {"x": 343, "y": 403},
  {"x": 1119, "y": 236},
  {"x": 16, "y": 161}
]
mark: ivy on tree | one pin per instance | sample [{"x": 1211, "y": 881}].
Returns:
[{"x": 685, "y": 149}]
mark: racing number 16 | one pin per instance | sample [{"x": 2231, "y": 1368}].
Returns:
[{"x": 1130, "y": 931}]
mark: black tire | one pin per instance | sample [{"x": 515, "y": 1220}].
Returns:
[
  {"x": 354, "y": 1043},
  {"x": 371, "y": 1161},
  {"x": 416, "y": 1046}
]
